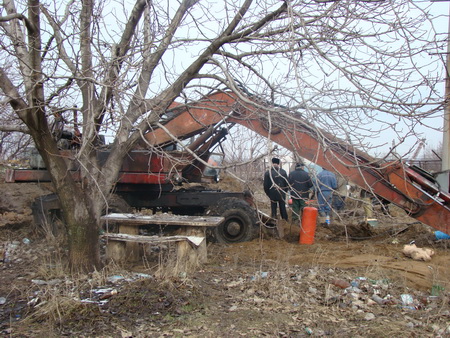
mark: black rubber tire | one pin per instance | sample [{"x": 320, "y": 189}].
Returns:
[{"x": 240, "y": 224}]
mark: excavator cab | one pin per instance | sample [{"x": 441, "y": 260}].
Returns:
[{"x": 213, "y": 171}]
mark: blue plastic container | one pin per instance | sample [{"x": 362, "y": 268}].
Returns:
[{"x": 441, "y": 235}]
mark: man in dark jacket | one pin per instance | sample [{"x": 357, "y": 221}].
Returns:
[
  {"x": 275, "y": 187},
  {"x": 301, "y": 184}
]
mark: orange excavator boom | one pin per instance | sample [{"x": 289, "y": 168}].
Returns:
[{"x": 395, "y": 182}]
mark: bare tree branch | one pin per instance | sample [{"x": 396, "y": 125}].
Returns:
[
  {"x": 11, "y": 128},
  {"x": 30, "y": 26}
]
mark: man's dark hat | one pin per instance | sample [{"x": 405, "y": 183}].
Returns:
[
  {"x": 299, "y": 164},
  {"x": 275, "y": 160}
]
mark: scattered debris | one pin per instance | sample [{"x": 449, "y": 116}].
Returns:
[
  {"x": 340, "y": 283},
  {"x": 49, "y": 282},
  {"x": 369, "y": 316},
  {"x": 418, "y": 254}
]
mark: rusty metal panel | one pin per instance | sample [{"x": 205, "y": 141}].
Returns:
[
  {"x": 34, "y": 175},
  {"x": 28, "y": 175},
  {"x": 142, "y": 178},
  {"x": 143, "y": 162}
]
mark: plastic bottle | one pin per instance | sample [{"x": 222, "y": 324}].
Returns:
[
  {"x": 379, "y": 300},
  {"x": 327, "y": 220},
  {"x": 108, "y": 294}
]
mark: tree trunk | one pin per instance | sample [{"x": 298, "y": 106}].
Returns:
[
  {"x": 84, "y": 250},
  {"x": 82, "y": 217},
  {"x": 82, "y": 211},
  {"x": 81, "y": 206}
]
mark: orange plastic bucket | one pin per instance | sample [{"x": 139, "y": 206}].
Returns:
[{"x": 308, "y": 227}]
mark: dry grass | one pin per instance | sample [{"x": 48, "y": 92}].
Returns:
[{"x": 55, "y": 309}]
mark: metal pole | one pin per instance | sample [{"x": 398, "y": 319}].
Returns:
[{"x": 446, "y": 136}]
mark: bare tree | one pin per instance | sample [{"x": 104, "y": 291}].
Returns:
[
  {"x": 13, "y": 142},
  {"x": 247, "y": 154},
  {"x": 245, "y": 151},
  {"x": 342, "y": 65}
]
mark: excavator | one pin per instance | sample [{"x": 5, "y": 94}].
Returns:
[{"x": 149, "y": 177}]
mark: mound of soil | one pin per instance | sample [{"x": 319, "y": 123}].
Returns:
[{"x": 16, "y": 200}]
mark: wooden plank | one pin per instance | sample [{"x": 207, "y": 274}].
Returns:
[
  {"x": 195, "y": 240},
  {"x": 191, "y": 249},
  {"x": 132, "y": 250},
  {"x": 164, "y": 219},
  {"x": 186, "y": 257},
  {"x": 116, "y": 251}
]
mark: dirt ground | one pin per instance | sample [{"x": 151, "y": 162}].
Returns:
[{"x": 353, "y": 281}]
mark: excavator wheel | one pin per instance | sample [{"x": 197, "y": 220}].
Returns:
[{"x": 240, "y": 224}]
